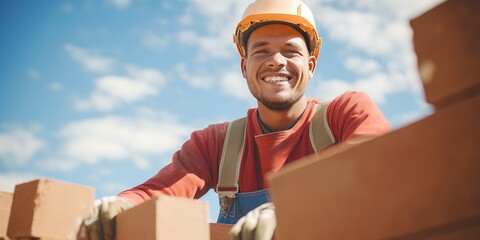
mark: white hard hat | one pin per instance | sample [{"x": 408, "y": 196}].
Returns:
[{"x": 291, "y": 12}]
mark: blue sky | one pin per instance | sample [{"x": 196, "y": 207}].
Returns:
[{"x": 102, "y": 93}]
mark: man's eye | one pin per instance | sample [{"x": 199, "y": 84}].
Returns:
[
  {"x": 293, "y": 53},
  {"x": 261, "y": 51}
]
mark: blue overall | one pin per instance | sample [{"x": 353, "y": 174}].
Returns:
[{"x": 244, "y": 203}]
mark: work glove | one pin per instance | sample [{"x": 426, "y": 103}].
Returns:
[
  {"x": 258, "y": 224},
  {"x": 100, "y": 224}
]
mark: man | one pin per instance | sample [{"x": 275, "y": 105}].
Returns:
[{"x": 279, "y": 46}]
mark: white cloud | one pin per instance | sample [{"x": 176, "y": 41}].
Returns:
[
  {"x": 9, "y": 180},
  {"x": 167, "y": 5},
  {"x": 55, "y": 163},
  {"x": 329, "y": 89},
  {"x": 18, "y": 145},
  {"x": 98, "y": 174},
  {"x": 361, "y": 66},
  {"x": 377, "y": 86},
  {"x": 400, "y": 9},
  {"x": 409, "y": 117},
  {"x": 213, "y": 37},
  {"x": 369, "y": 26},
  {"x": 221, "y": 15},
  {"x": 186, "y": 36},
  {"x": 55, "y": 86},
  {"x": 196, "y": 80},
  {"x": 138, "y": 139},
  {"x": 205, "y": 7},
  {"x": 234, "y": 85},
  {"x": 112, "y": 188},
  {"x": 155, "y": 42},
  {"x": 33, "y": 74},
  {"x": 164, "y": 22},
  {"x": 186, "y": 20},
  {"x": 112, "y": 90},
  {"x": 120, "y": 4},
  {"x": 423, "y": 109},
  {"x": 67, "y": 8},
  {"x": 379, "y": 30},
  {"x": 210, "y": 46},
  {"x": 91, "y": 62},
  {"x": 365, "y": 31}
]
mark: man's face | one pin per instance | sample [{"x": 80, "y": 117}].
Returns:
[{"x": 277, "y": 66}]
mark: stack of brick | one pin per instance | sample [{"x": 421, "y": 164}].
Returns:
[
  {"x": 417, "y": 182},
  {"x": 5, "y": 206},
  {"x": 54, "y": 210},
  {"x": 164, "y": 217},
  {"x": 219, "y": 231},
  {"x": 446, "y": 40},
  {"x": 48, "y": 209}
]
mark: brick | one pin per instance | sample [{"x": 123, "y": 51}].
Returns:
[
  {"x": 164, "y": 217},
  {"x": 219, "y": 231},
  {"x": 417, "y": 182},
  {"x": 465, "y": 233},
  {"x": 5, "y": 206},
  {"x": 49, "y": 209},
  {"x": 446, "y": 41}
]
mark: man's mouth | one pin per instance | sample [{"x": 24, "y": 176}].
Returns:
[{"x": 275, "y": 79}]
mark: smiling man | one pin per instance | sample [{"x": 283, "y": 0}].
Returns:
[
  {"x": 279, "y": 46},
  {"x": 277, "y": 67}
]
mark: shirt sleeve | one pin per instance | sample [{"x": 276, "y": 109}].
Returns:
[
  {"x": 192, "y": 172},
  {"x": 354, "y": 114}
]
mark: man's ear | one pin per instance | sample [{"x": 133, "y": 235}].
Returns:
[
  {"x": 312, "y": 64},
  {"x": 243, "y": 66}
]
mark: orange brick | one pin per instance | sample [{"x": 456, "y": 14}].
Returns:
[
  {"x": 49, "y": 209},
  {"x": 446, "y": 40},
  {"x": 418, "y": 182},
  {"x": 219, "y": 231},
  {"x": 5, "y": 206},
  {"x": 164, "y": 217},
  {"x": 465, "y": 233}
]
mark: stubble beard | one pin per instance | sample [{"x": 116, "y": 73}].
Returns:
[
  {"x": 278, "y": 105},
  {"x": 282, "y": 104}
]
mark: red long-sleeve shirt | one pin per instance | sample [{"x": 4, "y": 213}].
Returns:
[{"x": 194, "y": 168}]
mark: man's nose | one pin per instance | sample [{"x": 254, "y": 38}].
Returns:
[{"x": 276, "y": 59}]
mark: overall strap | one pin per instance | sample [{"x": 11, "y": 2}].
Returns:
[
  {"x": 231, "y": 158},
  {"x": 228, "y": 173},
  {"x": 319, "y": 130}
]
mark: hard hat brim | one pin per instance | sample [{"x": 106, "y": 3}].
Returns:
[{"x": 254, "y": 21}]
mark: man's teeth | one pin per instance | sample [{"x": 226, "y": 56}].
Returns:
[{"x": 276, "y": 79}]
